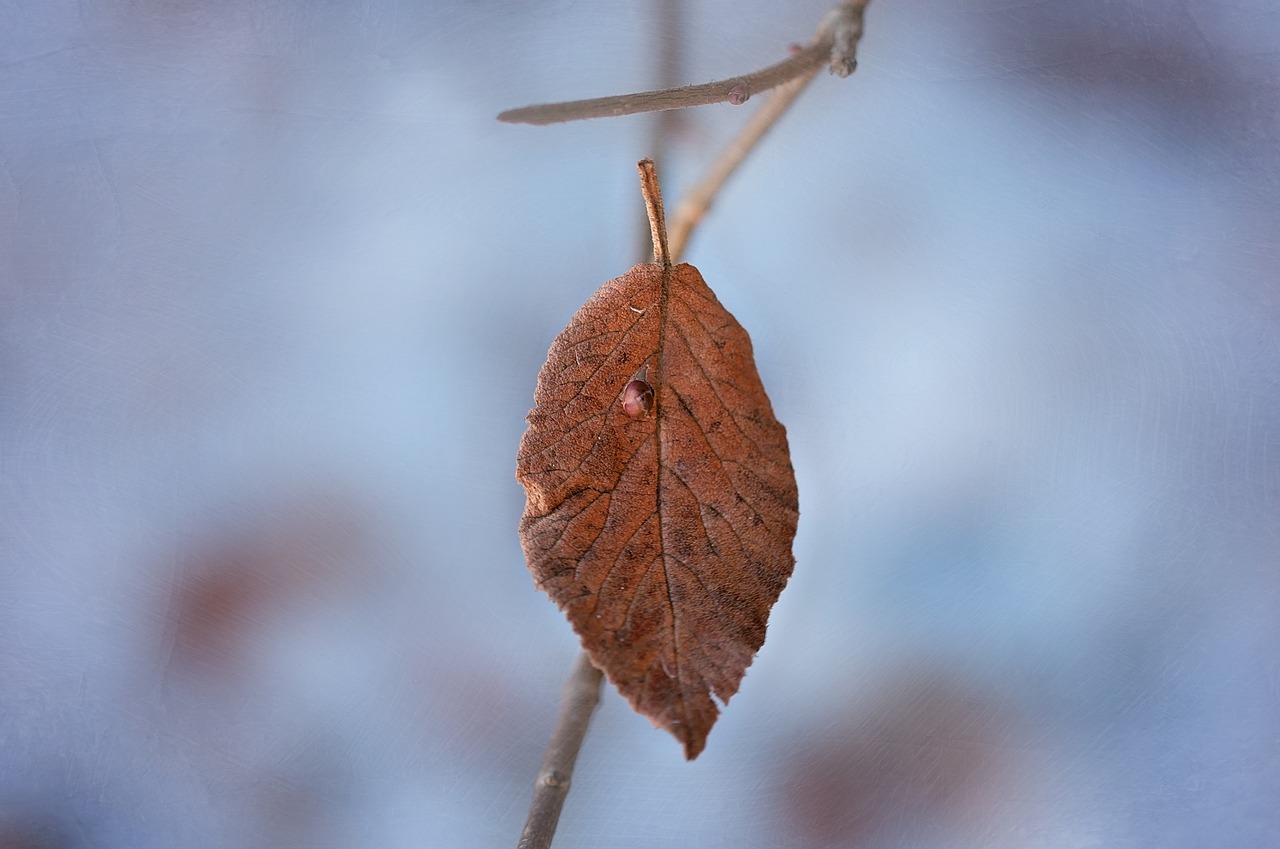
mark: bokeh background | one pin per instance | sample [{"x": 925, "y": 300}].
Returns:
[{"x": 274, "y": 290}]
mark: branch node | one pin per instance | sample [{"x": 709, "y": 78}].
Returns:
[
  {"x": 581, "y": 692},
  {"x": 553, "y": 779},
  {"x": 844, "y": 27}
]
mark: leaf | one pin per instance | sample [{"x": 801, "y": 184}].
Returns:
[{"x": 661, "y": 503}]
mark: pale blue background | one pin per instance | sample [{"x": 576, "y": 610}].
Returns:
[{"x": 275, "y": 287}]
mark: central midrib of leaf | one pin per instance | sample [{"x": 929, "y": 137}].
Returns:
[{"x": 664, "y": 300}]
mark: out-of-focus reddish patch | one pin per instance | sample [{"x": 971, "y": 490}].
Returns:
[
  {"x": 492, "y": 721},
  {"x": 241, "y": 576},
  {"x": 926, "y": 752},
  {"x": 18, "y": 832}
]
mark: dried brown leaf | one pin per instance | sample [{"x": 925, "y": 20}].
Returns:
[{"x": 661, "y": 503}]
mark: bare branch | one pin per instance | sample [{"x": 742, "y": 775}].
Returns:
[
  {"x": 734, "y": 90},
  {"x": 834, "y": 44},
  {"x": 581, "y": 693}
]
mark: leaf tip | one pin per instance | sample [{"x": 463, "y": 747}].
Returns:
[{"x": 693, "y": 746}]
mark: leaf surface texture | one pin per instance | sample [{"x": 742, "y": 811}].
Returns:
[{"x": 661, "y": 525}]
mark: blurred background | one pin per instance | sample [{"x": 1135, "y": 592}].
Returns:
[{"x": 274, "y": 290}]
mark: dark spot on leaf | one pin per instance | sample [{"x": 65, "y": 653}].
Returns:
[{"x": 637, "y": 398}]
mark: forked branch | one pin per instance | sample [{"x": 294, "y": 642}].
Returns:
[
  {"x": 695, "y": 203},
  {"x": 835, "y": 44}
]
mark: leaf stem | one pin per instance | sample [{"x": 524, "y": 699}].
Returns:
[
  {"x": 653, "y": 204},
  {"x": 581, "y": 693}
]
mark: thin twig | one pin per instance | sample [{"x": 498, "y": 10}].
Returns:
[
  {"x": 835, "y": 44},
  {"x": 581, "y": 692},
  {"x": 734, "y": 90},
  {"x": 653, "y": 205}
]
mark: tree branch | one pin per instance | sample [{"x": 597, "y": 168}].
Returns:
[
  {"x": 581, "y": 693},
  {"x": 734, "y": 90},
  {"x": 835, "y": 44}
]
